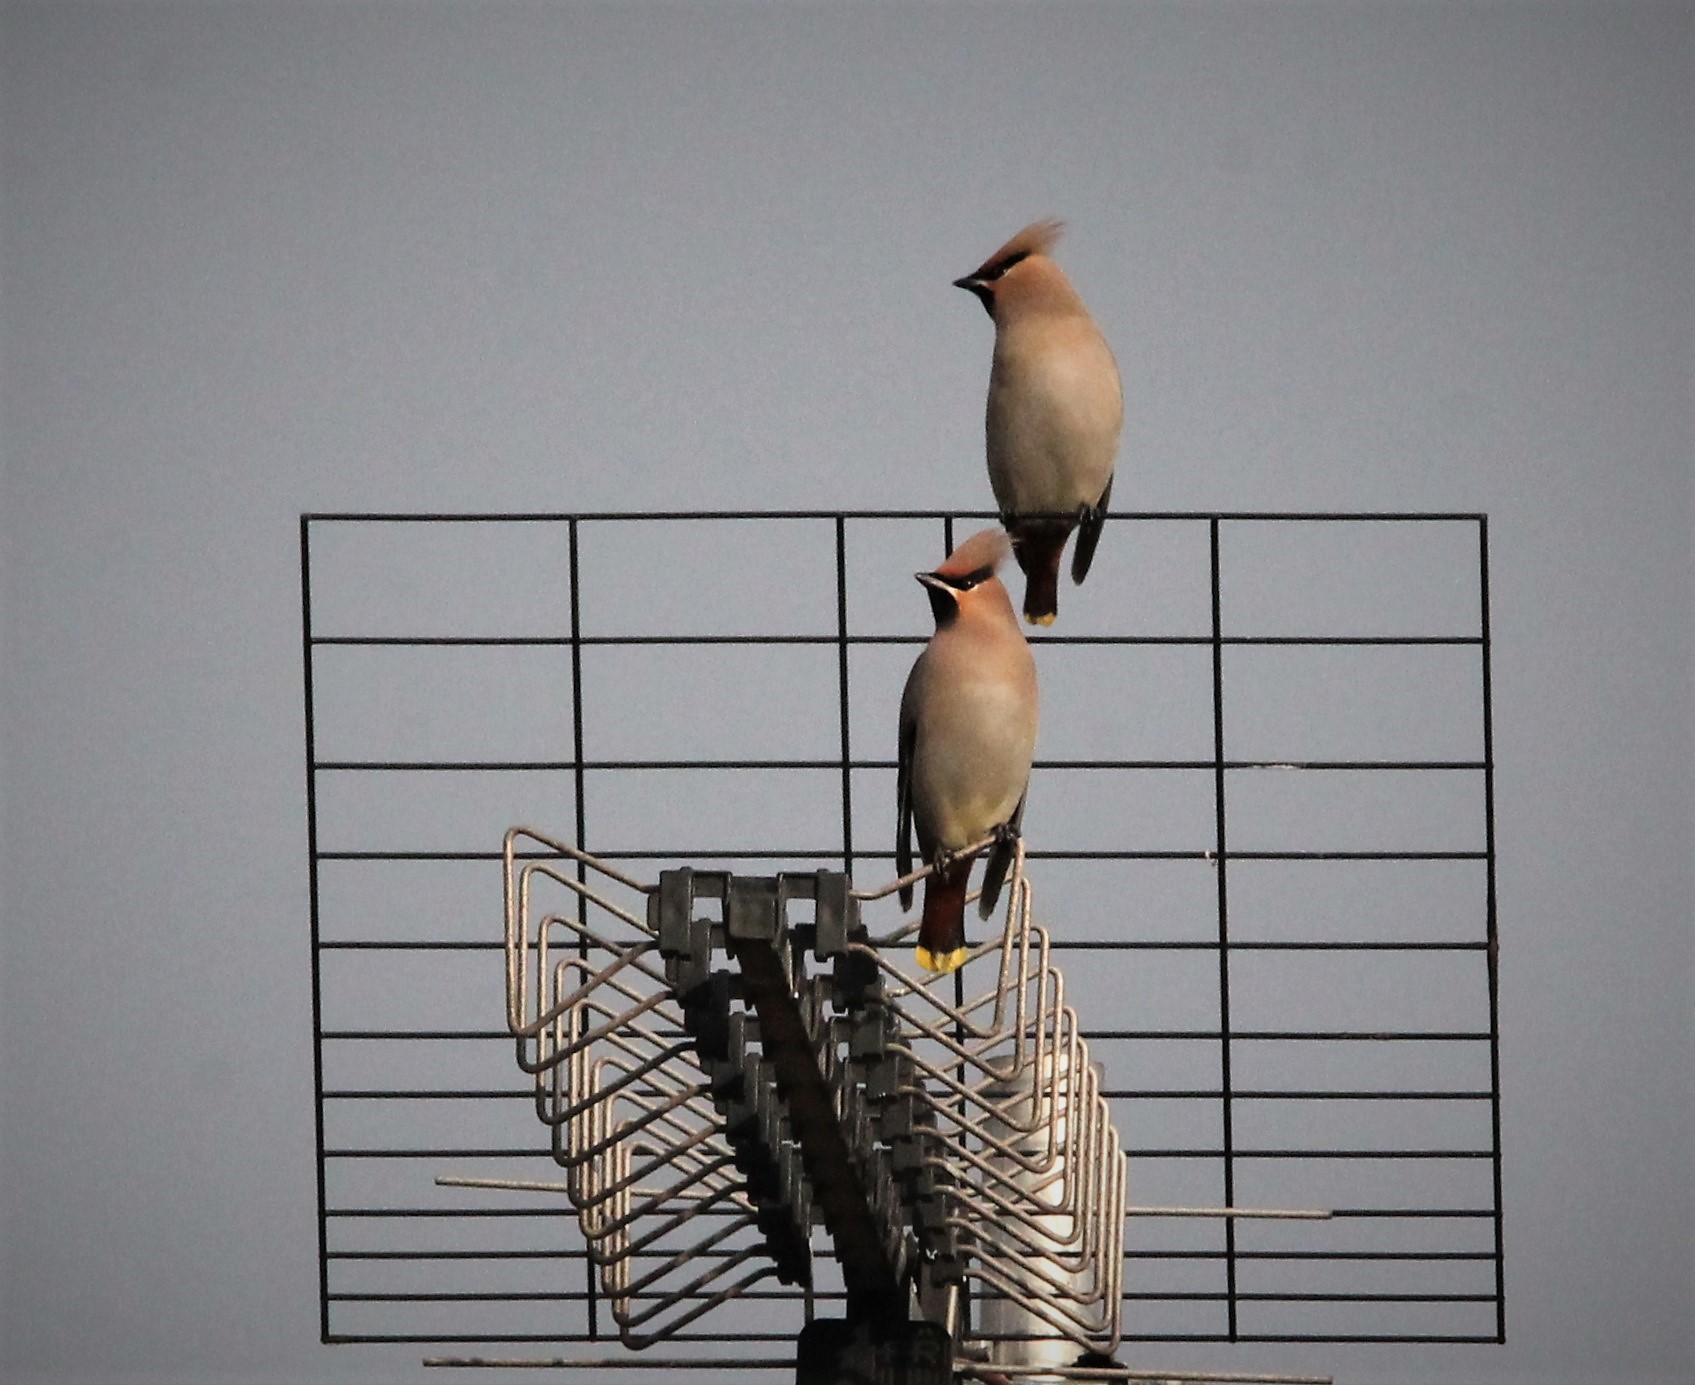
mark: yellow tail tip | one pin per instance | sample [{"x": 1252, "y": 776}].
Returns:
[
  {"x": 943, "y": 962},
  {"x": 1041, "y": 620}
]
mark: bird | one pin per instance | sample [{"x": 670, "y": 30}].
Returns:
[
  {"x": 968, "y": 719},
  {"x": 1054, "y": 414}
]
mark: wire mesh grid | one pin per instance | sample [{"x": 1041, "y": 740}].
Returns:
[{"x": 1261, "y": 819}]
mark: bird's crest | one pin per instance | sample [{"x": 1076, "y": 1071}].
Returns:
[
  {"x": 982, "y": 552},
  {"x": 1035, "y": 239}
]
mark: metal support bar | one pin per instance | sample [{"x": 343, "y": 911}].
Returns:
[{"x": 792, "y": 1034}]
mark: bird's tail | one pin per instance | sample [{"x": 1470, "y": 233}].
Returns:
[
  {"x": 1039, "y": 548},
  {"x": 941, "y": 935}
]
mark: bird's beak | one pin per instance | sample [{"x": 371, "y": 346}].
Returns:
[
  {"x": 985, "y": 295},
  {"x": 944, "y": 600}
]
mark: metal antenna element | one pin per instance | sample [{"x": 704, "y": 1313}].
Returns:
[
  {"x": 708, "y": 1117},
  {"x": 636, "y": 1121}
]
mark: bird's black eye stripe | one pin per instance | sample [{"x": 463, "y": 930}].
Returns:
[
  {"x": 970, "y": 580},
  {"x": 1000, "y": 267}
]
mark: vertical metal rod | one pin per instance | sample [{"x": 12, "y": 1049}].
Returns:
[
  {"x": 1221, "y": 864},
  {"x": 1494, "y": 949},
  {"x": 591, "y": 1298},
  {"x": 312, "y": 888},
  {"x": 842, "y": 684},
  {"x": 958, "y": 976},
  {"x": 961, "y": 1108},
  {"x": 577, "y": 726}
]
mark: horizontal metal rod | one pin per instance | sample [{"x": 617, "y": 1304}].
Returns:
[
  {"x": 1150, "y": 1152},
  {"x": 1324, "y": 1255},
  {"x": 627, "y": 516},
  {"x": 659, "y": 1253},
  {"x": 583, "y": 1296},
  {"x": 985, "y": 1371},
  {"x": 835, "y": 766},
  {"x": 840, "y": 1296},
  {"x": 499, "y": 1254},
  {"x": 1112, "y": 1093},
  {"x": 531, "y": 1209},
  {"x": 404, "y": 1152},
  {"x": 1416, "y": 1213},
  {"x": 784, "y": 1295},
  {"x": 1237, "y": 1094},
  {"x": 1060, "y": 945},
  {"x": 399, "y": 1338},
  {"x": 1092, "y": 1035},
  {"x": 1269, "y": 945},
  {"x": 441, "y": 1213},
  {"x": 412, "y": 1035},
  {"x": 781, "y": 641},
  {"x": 564, "y": 1338},
  {"x": 412, "y": 945},
  {"x": 1267, "y": 1338},
  {"x": 611, "y": 1363},
  {"x": 835, "y": 854},
  {"x": 1389, "y": 1256},
  {"x": 1365, "y": 1298},
  {"x": 463, "y": 1296},
  {"x": 1297, "y": 1035},
  {"x": 432, "y": 1094},
  {"x": 517, "y": 1185},
  {"x": 1261, "y": 1213},
  {"x": 1351, "y": 1154}
]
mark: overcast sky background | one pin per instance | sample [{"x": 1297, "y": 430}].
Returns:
[{"x": 262, "y": 259}]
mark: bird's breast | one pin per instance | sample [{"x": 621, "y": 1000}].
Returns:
[
  {"x": 971, "y": 761},
  {"x": 1055, "y": 410}
]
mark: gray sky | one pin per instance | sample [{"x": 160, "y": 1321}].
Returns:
[{"x": 256, "y": 260}]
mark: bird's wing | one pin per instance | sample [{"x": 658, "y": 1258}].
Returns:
[
  {"x": 903, "y": 802},
  {"x": 1000, "y": 861},
  {"x": 1089, "y": 534}
]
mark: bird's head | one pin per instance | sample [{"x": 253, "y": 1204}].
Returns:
[
  {"x": 1019, "y": 269},
  {"x": 966, "y": 582}
]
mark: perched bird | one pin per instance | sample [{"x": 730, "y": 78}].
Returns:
[
  {"x": 1054, "y": 414},
  {"x": 967, "y": 736}
]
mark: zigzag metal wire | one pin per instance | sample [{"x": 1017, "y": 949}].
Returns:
[
  {"x": 632, "y": 1120},
  {"x": 1012, "y": 1174},
  {"x": 1034, "y": 1178}
]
